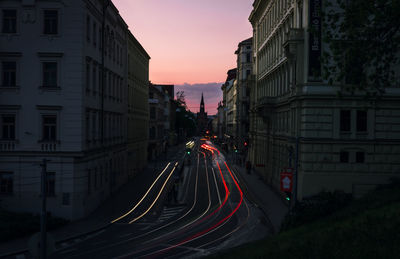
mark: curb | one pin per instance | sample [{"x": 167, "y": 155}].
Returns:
[{"x": 251, "y": 197}]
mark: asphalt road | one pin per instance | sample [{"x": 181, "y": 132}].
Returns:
[{"x": 211, "y": 214}]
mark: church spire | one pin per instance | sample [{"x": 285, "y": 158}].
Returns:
[{"x": 202, "y": 104}]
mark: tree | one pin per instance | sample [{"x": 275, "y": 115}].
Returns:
[
  {"x": 363, "y": 41},
  {"x": 180, "y": 98}
]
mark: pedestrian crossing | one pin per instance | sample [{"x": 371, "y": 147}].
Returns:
[{"x": 169, "y": 212}]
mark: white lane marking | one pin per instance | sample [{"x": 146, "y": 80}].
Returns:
[{"x": 216, "y": 185}]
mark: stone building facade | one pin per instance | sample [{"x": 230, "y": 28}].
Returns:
[
  {"x": 243, "y": 79},
  {"x": 297, "y": 121},
  {"x": 57, "y": 104},
  {"x": 138, "y": 105}
]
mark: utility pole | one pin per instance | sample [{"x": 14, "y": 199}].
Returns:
[{"x": 43, "y": 216}]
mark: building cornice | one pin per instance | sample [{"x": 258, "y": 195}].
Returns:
[
  {"x": 10, "y": 54},
  {"x": 50, "y": 54}
]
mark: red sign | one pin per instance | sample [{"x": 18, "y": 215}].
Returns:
[{"x": 287, "y": 180}]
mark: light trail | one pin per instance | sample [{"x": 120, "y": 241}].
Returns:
[
  {"x": 158, "y": 195},
  {"x": 182, "y": 227},
  {"x": 215, "y": 226},
  {"x": 144, "y": 196},
  {"x": 193, "y": 221},
  {"x": 224, "y": 236},
  {"x": 216, "y": 186},
  {"x": 154, "y": 230}
]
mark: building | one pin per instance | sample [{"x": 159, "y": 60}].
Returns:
[
  {"x": 298, "y": 121},
  {"x": 230, "y": 95},
  {"x": 220, "y": 121},
  {"x": 57, "y": 104},
  {"x": 159, "y": 124},
  {"x": 202, "y": 120},
  {"x": 243, "y": 86},
  {"x": 138, "y": 105}
]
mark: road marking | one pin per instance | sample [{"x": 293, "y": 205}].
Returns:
[
  {"x": 68, "y": 250},
  {"x": 216, "y": 185},
  {"x": 158, "y": 195},
  {"x": 124, "y": 235},
  {"x": 144, "y": 196},
  {"x": 168, "y": 213}
]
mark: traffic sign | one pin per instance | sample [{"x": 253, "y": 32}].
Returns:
[{"x": 287, "y": 180}]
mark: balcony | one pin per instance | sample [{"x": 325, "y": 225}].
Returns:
[
  {"x": 49, "y": 146},
  {"x": 266, "y": 106},
  {"x": 294, "y": 37},
  {"x": 8, "y": 145}
]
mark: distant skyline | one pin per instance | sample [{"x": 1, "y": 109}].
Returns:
[{"x": 191, "y": 43}]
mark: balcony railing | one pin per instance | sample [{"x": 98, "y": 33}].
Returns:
[
  {"x": 8, "y": 145},
  {"x": 49, "y": 146}
]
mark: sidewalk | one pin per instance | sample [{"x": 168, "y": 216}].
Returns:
[
  {"x": 112, "y": 207},
  {"x": 262, "y": 195}
]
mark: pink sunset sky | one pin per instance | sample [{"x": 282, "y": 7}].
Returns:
[{"x": 191, "y": 42}]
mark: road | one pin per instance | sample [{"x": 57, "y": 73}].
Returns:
[{"x": 208, "y": 213}]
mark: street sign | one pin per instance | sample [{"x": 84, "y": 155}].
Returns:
[{"x": 287, "y": 180}]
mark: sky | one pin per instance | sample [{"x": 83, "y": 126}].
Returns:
[{"x": 191, "y": 42}]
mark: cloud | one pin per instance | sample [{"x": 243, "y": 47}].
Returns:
[{"x": 212, "y": 95}]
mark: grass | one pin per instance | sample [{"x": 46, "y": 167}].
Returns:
[
  {"x": 365, "y": 228},
  {"x": 14, "y": 225}
]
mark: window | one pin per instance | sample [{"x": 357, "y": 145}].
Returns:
[
  {"x": 50, "y": 184},
  {"x": 88, "y": 28},
  {"x": 9, "y": 21},
  {"x": 50, "y": 22},
  {"x": 9, "y": 73},
  {"x": 94, "y": 34},
  {"x": 152, "y": 133},
  {"x": 152, "y": 112},
  {"x": 94, "y": 133},
  {"x": 361, "y": 121},
  {"x": 87, "y": 127},
  {"x": 49, "y": 128},
  {"x": 49, "y": 74},
  {"x": 247, "y": 73},
  {"x": 344, "y": 157},
  {"x": 94, "y": 75},
  {"x": 248, "y": 57},
  {"x": 95, "y": 178},
  {"x": 360, "y": 157},
  {"x": 88, "y": 181},
  {"x": 345, "y": 120},
  {"x": 87, "y": 77},
  {"x": 6, "y": 182},
  {"x": 66, "y": 198},
  {"x": 8, "y": 127}
]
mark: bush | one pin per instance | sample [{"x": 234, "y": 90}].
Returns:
[{"x": 315, "y": 207}]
